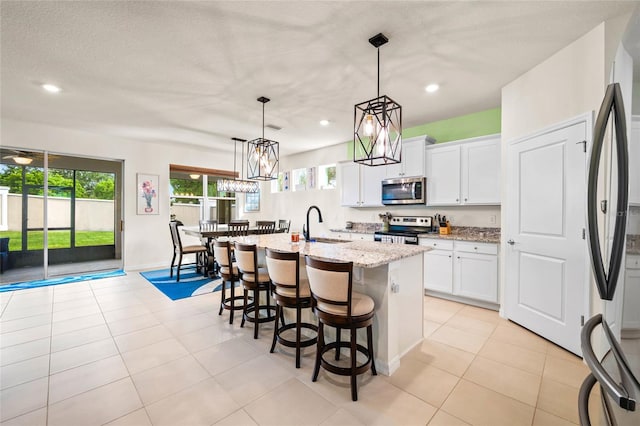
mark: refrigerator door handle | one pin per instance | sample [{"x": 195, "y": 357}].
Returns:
[
  {"x": 607, "y": 281},
  {"x": 607, "y": 383}
]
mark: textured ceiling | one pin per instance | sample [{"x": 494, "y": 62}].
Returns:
[{"x": 190, "y": 72}]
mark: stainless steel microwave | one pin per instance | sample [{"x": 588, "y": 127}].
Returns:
[{"x": 410, "y": 190}]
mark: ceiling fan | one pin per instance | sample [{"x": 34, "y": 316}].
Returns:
[{"x": 19, "y": 157}]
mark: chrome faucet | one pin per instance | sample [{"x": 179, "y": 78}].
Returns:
[{"x": 305, "y": 230}]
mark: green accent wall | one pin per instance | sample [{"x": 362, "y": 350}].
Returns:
[
  {"x": 452, "y": 129},
  {"x": 463, "y": 127}
]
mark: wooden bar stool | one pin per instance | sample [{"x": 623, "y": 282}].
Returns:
[
  {"x": 289, "y": 292},
  {"x": 337, "y": 305},
  {"x": 230, "y": 274},
  {"x": 255, "y": 279}
]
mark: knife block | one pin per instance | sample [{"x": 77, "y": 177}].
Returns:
[{"x": 445, "y": 228}]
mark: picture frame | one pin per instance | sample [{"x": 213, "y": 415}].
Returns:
[
  {"x": 251, "y": 202},
  {"x": 147, "y": 194}
]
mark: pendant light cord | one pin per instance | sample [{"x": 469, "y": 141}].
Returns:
[
  {"x": 263, "y": 121},
  {"x": 378, "y": 49}
]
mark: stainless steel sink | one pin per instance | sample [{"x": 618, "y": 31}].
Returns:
[{"x": 328, "y": 240}]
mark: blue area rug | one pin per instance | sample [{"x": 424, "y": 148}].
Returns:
[
  {"x": 191, "y": 283},
  {"x": 63, "y": 280}
]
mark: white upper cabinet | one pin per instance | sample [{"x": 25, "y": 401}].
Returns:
[
  {"x": 634, "y": 161},
  {"x": 464, "y": 172},
  {"x": 442, "y": 169},
  {"x": 412, "y": 159},
  {"x": 360, "y": 186},
  {"x": 481, "y": 172}
]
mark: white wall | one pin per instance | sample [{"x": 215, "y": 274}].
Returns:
[
  {"x": 147, "y": 242},
  {"x": 294, "y": 205},
  {"x": 567, "y": 84}
]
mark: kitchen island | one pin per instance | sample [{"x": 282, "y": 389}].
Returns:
[{"x": 390, "y": 273}]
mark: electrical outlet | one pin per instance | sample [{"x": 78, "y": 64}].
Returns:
[
  {"x": 492, "y": 219},
  {"x": 395, "y": 288}
]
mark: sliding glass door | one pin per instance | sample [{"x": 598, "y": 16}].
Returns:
[{"x": 63, "y": 215}]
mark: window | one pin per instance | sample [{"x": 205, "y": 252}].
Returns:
[
  {"x": 299, "y": 180},
  {"x": 327, "y": 176}
]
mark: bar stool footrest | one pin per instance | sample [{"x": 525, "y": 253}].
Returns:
[
  {"x": 345, "y": 371},
  {"x": 269, "y": 308},
  {"x": 292, "y": 343}
]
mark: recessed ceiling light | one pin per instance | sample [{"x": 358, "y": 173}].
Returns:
[
  {"x": 51, "y": 88},
  {"x": 324, "y": 122},
  {"x": 432, "y": 88}
]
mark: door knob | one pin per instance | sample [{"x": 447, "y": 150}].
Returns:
[{"x": 511, "y": 242}]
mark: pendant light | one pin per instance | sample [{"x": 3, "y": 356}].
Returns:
[
  {"x": 237, "y": 185},
  {"x": 262, "y": 154},
  {"x": 377, "y": 138}
]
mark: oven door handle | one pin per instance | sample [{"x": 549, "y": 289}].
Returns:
[{"x": 413, "y": 190}]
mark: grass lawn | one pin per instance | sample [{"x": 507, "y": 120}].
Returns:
[{"x": 58, "y": 239}]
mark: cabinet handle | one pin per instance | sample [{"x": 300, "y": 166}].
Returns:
[
  {"x": 435, "y": 244},
  {"x": 449, "y": 256},
  {"x": 458, "y": 257},
  {"x": 465, "y": 199},
  {"x": 457, "y": 199},
  {"x": 475, "y": 248}
]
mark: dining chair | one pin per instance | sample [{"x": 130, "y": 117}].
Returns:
[
  {"x": 238, "y": 228},
  {"x": 179, "y": 251},
  {"x": 204, "y": 226},
  {"x": 265, "y": 226},
  {"x": 337, "y": 305},
  {"x": 283, "y": 225}
]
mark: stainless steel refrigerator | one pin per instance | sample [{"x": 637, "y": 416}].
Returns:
[{"x": 611, "y": 341}]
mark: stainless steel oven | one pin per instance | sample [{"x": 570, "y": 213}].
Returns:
[
  {"x": 411, "y": 190},
  {"x": 405, "y": 229}
]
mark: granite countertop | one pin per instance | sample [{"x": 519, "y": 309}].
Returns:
[
  {"x": 354, "y": 231},
  {"x": 366, "y": 254},
  {"x": 469, "y": 233},
  {"x": 633, "y": 244}
]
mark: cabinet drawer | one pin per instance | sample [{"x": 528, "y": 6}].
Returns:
[
  {"x": 471, "y": 247},
  {"x": 633, "y": 262},
  {"x": 437, "y": 244}
]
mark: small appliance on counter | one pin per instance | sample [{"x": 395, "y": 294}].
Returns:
[{"x": 405, "y": 229}]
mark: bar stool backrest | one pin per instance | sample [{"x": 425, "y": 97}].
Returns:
[
  {"x": 222, "y": 254},
  {"x": 331, "y": 284},
  {"x": 246, "y": 258},
  {"x": 284, "y": 269}
]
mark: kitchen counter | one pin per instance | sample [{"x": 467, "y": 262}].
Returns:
[
  {"x": 364, "y": 254},
  {"x": 469, "y": 233},
  {"x": 390, "y": 273},
  {"x": 633, "y": 244}
]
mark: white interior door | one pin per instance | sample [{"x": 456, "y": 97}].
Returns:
[{"x": 546, "y": 254}]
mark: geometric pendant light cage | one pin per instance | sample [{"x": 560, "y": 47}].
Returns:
[
  {"x": 263, "y": 161},
  {"x": 377, "y": 136},
  {"x": 237, "y": 185}
]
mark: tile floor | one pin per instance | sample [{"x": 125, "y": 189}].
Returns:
[{"x": 118, "y": 352}]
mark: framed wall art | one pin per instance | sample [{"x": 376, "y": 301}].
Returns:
[
  {"x": 148, "y": 202},
  {"x": 252, "y": 202}
]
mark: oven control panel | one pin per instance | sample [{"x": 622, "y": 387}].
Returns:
[{"x": 412, "y": 221}]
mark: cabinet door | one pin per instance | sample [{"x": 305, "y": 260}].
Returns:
[
  {"x": 362, "y": 237},
  {"x": 480, "y": 166},
  {"x": 349, "y": 184},
  {"x": 634, "y": 162},
  {"x": 438, "y": 271},
  {"x": 476, "y": 276},
  {"x": 442, "y": 169},
  {"x": 630, "y": 311},
  {"x": 413, "y": 158},
  {"x": 371, "y": 185}
]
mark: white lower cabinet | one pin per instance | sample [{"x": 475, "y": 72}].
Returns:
[
  {"x": 630, "y": 313},
  {"x": 462, "y": 268}
]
